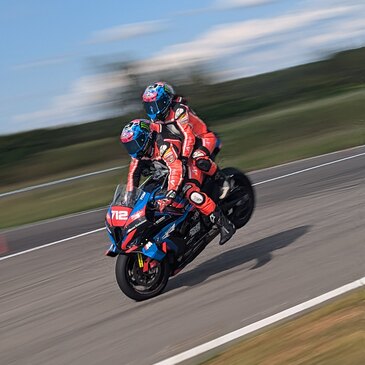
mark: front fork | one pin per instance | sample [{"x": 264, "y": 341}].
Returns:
[
  {"x": 140, "y": 260},
  {"x": 145, "y": 263},
  {"x": 147, "y": 259}
]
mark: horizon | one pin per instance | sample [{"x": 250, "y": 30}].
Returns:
[
  {"x": 61, "y": 126},
  {"x": 53, "y": 76}
]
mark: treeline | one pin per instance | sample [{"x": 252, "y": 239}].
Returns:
[
  {"x": 214, "y": 102},
  {"x": 342, "y": 71}
]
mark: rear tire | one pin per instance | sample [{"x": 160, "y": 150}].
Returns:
[
  {"x": 136, "y": 284},
  {"x": 242, "y": 187}
]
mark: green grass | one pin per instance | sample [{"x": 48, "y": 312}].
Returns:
[
  {"x": 306, "y": 130},
  {"x": 63, "y": 162},
  {"x": 331, "y": 335},
  {"x": 60, "y": 200},
  {"x": 272, "y": 138}
]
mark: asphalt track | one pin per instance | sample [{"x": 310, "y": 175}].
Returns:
[{"x": 61, "y": 305}]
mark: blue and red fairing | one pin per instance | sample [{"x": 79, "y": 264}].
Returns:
[{"x": 128, "y": 219}]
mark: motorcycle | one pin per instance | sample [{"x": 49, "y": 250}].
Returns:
[{"x": 152, "y": 246}]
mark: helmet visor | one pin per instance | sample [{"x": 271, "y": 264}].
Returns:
[
  {"x": 154, "y": 108},
  {"x": 135, "y": 147}
]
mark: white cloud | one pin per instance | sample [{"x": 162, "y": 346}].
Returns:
[
  {"x": 230, "y": 4},
  {"x": 236, "y": 50},
  {"x": 226, "y": 40},
  {"x": 294, "y": 48},
  {"x": 127, "y": 31},
  {"x": 83, "y": 102}
]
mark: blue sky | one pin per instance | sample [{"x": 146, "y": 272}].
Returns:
[{"x": 49, "y": 48}]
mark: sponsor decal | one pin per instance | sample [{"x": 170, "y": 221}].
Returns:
[
  {"x": 150, "y": 95},
  {"x": 148, "y": 245},
  {"x": 163, "y": 149},
  {"x": 179, "y": 112},
  {"x": 169, "y": 156},
  {"x": 195, "y": 230},
  {"x": 198, "y": 154},
  {"x": 183, "y": 119},
  {"x": 197, "y": 198},
  {"x": 136, "y": 215},
  {"x": 134, "y": 226},
  {"x": 160, "y": 220},
  {"x": 167, "y": 233},
  {"x": 127, "y": 136},
  {"x": 145, "y": 125},
  {"x": 196, "y": 215},
  {"x": 169, "y": 89}
]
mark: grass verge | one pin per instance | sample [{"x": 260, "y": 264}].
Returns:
[
  {"x": 331, "y": 335},
  {"x": 76, "y": 196},
  {"x": 276, "y": 137}
]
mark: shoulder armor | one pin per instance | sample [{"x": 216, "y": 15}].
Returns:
[
  {"x": 179, "y": 110},
  {"x": 162, "y": 145}
]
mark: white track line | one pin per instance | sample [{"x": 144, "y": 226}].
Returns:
[
  {"x": 309, "y": 158},
  {"x": 258, "y": 183},
  {"x": 198, "y": 350},
  {"x": 51, "y": 244},
  {"x": 310, "y": 168},
  {"x": 251, "y": 173},
  {"x": 33, "y": 187},
  {"x": 51, "y": 220}
]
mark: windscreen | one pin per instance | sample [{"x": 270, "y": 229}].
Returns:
[{"x": 126, "y": 198}]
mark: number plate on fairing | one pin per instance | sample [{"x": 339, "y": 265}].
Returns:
[{"x": 117, "y": 216}]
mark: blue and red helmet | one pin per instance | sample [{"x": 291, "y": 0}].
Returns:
[
  {"x": 136, "y": 137},
  {"x": 157, "y": 99}
]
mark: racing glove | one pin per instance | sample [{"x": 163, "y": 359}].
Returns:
[{"x": 163, "y": 203}]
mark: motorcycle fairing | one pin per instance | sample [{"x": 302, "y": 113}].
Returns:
[
  {"x": 165, "y": 232},
  {"x": 136, "y": 217},
  {"x": 151, "y": 250},
  {"x": 117, "y": 216}
]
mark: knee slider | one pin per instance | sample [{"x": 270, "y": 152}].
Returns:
[
  {"x": 197, "y": 198},
  {"x": 204, "y": 164}
]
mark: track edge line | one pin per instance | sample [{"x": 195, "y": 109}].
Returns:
[{"x": 222, "y": 340}]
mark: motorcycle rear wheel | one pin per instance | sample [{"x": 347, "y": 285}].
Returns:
[
  {"x": 136, "y": 284},
  {"x": 242, "y": 186}
]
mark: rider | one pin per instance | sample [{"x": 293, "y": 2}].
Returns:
[
  {"x": 162, "y": 105},
  {"x": 147, "y": 142}
]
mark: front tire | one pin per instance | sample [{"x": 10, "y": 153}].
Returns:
[
  {"x": 136, "y": 284},
  {"x": 242, "y": 186}
]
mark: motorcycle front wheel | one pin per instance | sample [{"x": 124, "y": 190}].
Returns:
[{"x": 139, "y": 285}]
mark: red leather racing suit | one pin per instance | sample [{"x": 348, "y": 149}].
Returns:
[
  {"x": 199, "y": 142},
  {"x": 167, "y": 148}
]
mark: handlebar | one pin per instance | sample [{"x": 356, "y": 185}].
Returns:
[{"x": 169, "y": 209}]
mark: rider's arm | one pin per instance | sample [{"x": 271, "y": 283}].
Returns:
[
  {"x": 170, "y": 156},
  {"x": 183, "y": 122},
  {"x": 134, "y": 174}
]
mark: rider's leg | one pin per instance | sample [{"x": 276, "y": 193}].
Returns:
[
  {"x": 208, "y": 145},
  {"x": 206, "y": 205}
]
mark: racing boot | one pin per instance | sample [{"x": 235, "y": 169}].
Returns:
[
  {"x": 225, "y": 183},
  {"x": 226, "y": 227}
]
